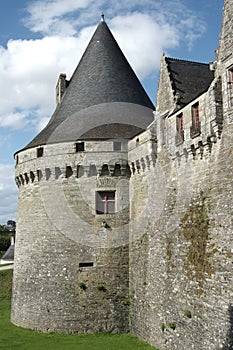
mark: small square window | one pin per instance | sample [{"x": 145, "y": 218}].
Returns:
[
  {"x": 105, "y": 202},
  {"x": 80, "y": 147},
  {"x": 40, "y": 152},
  {"x": 116, "y": 146}
]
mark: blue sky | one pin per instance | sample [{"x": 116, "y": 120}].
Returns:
[{"x": 40, "y": 39}]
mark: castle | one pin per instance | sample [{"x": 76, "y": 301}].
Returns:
[{"x": 125, "y": 211}]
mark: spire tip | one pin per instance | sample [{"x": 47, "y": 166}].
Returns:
[{"x": 102, "y": 17}]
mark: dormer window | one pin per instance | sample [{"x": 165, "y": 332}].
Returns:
[{"x": 195, "y": 129}]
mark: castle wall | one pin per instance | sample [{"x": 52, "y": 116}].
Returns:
[
  {"x": 165, "y": 257},
  {"x": 181, "y": 251},
  {"x": 71, "y": 265},
  {"x": 165, "y": 101}
]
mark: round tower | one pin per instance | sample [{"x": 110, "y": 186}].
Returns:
[{"x": 71, "y": 256}]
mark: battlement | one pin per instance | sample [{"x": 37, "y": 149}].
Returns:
[
  {"x": 77, "y": 160},
  {"x": 145, "y": 221}
]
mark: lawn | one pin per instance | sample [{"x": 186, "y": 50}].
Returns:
[{"x": 12, "y": 337}]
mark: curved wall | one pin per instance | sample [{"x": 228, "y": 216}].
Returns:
[{"x": 71, "y": 264}]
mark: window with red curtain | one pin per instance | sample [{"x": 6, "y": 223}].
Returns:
[
  {"x": 195, "y": 116},
  {"x": 180, "y": 124},
  {"x": 105, "y": 202}
]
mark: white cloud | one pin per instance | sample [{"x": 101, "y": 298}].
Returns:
[
  {"x": 66, "y": 17},
  {"x": 28, "y": 73},
  {"x": 142, "y": 40},
  {"x": 29, "y": 68},
  {"x": 8, "y": 193},
  {"x": 45, "y": 16}
]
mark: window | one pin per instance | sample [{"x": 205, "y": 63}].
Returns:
[
  {"x": 116, "y": 146},
  {"x": 230, "y": 72},
  {"x": 195, "y": 129},
  {"x": 86, "y": 264},
  {"x": 179, "y": 129},
  {"x": 180, "y": 124},
  {"x": 195, "y": 115},
  {"x": 40, "y": 152},
  {"x": 105, "y": 202},
  {"x": 80, "y": 147}
]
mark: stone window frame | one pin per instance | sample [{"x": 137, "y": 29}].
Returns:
[
  {"x": 80, "y": 146},
  {"x": 40, "y": 152},
  {"x": 195, "y": 129},
  {"x": 230, "y": 85},
  {"x": 103, "y": 201},
  {"x": 179, "y": 129}
]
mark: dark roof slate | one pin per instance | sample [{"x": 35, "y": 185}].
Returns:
[
  {"x": 103, "y": 75},
  {"x": 189, "y": 79},
  {"x": 114, "y": 131}
]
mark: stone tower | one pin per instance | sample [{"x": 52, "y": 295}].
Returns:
[
  {"x": 71, "y": 262},
  {"x": 117, "y": 207}
]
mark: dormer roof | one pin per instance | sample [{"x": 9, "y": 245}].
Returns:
[
  {"x": 189, "y": 79},
  {"x": 103, "y": 82}
]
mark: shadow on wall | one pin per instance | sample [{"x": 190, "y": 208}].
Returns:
[{"x": 229, "y": 340}]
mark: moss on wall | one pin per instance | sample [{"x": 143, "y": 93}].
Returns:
[{"x": 195, "y": 230}]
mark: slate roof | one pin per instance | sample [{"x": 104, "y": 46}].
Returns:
[
  {"x": 189, "y": 79},
  {"x": 103, "y": 76}
]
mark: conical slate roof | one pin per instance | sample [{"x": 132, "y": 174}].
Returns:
[{"x": 103, "y": 90}]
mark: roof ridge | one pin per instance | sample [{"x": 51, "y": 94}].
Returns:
[{"x": 183, "y": 60}]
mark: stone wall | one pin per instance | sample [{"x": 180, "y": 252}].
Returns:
[
  {"x": 181, "y": 253},
  {"x": 71, "y": 265},
  {"x": 165, "y": 257},
  {"x": 180, "y": 263}
]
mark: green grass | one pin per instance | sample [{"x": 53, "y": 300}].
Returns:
[
  {"x": 12, "y": 337},
  {"x": 5, "y": 284}
]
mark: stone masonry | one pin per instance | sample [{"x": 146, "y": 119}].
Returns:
[{"x": 160, "y": 264}]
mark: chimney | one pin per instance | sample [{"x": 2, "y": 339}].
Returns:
[{"x": 61, "y": 87}]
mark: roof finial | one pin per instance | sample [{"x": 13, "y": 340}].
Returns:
[{"x": 102, "y": 17}]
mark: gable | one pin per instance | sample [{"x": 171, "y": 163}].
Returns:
[{"x": 189, "y": 79}]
